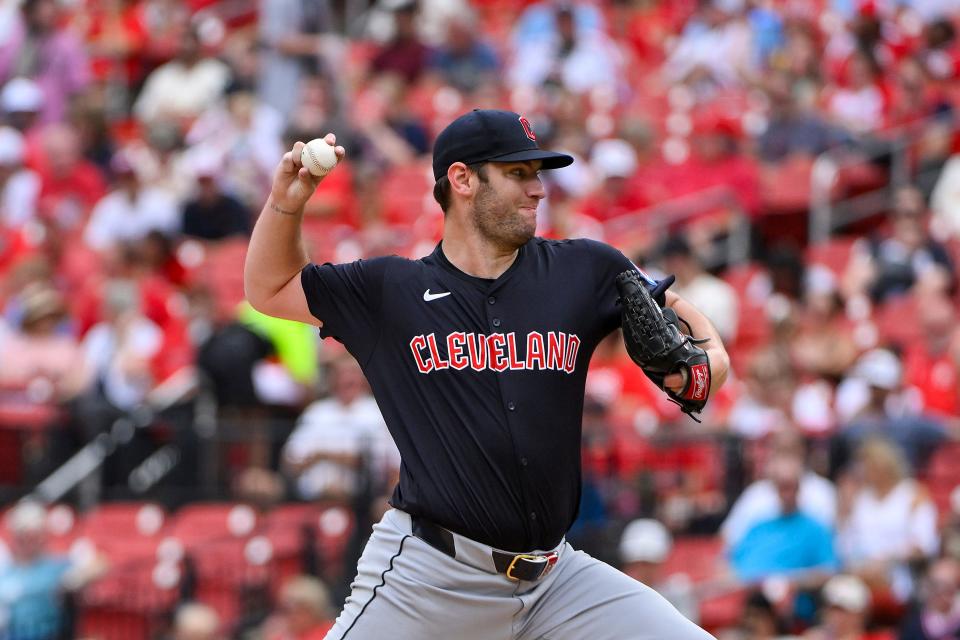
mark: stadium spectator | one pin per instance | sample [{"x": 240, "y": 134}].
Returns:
[
  {"x": 195, "y": 621},
  {"x": 115, "y": 34},
  {"x": 885, "y": 413},
  {"x": 244, "y": 137},
  {"x": 705, "y": 290},
  {"x": 131, "y": 211},
  {"x": 120, "y": 350},
  {"x": 465, "y": 60},
  {"x": 614, "y": 164},
  {"x": 795, "y": 128},
  {"x": 817, "y": 497},
  {"x": 21, "y": 101},
  {"x": 847, "y": 607},
  {"x": 929, "y": 365},
  {"x": 303, "y": 611},
  {"x": 179, "y": 91},
  {"x": 342, "y": 441},
  {"x": 38, "y": 354},
  {"x": 715, "y": 50},
  {"x": 37, "y": 46},
  {"x": 887, "y": 520},
  {"x": 70, "y": 185},
  {"x": 937, "y": 616},
  {"x": 645, "y": 545},
  {"x": 19, "y": 186},
  {"x": 565, "y": 54},
  {"x": 822, "y": 345},
  {"x": 945, "y": 201},
  {"x": 560, "y": 216},
  {"x": 33, "y": 585},
  {"x": 765, "y": 402},
  {"x": 405, "y": 54},
  {"x": 792, "y": 544},
  {"x": 858, "y": 105},
  {"x": 291, "y": 39},
  {"x": 212, "y": 214},
  {"x": 888, "y": 266},
  {"x": 760, "y": 620},
  {"x": 396, "y": 133}
]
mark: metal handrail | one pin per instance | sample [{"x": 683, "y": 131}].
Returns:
[
  {"x": 825, "y": 215},
  {"x": 657, "y": 218}
]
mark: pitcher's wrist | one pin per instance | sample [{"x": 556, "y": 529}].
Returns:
[{"x": 277, "y": 205}]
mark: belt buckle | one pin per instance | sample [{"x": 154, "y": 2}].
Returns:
[{"x": 546, "y": 563}]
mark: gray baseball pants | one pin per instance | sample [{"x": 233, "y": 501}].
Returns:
[{"x": 406, "y": 589}]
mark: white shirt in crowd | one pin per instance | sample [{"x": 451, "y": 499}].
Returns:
[
  {"x": 116, "y": 219},
  {"x": 889, "y": 527},
  {"x": 110, "y": 350},
  {"x": 327, "y": 426},
  {"x": 716, "y": 299},
  {"x": 178, "y": 91},
  {"x": 759, "y": 502}
]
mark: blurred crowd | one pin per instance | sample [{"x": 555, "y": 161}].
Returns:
[{"x": 137, "y": 144}]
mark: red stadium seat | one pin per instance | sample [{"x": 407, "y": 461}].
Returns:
[
  {"x": 125, "y": 531},
  {"x": 200, "y": 523},
  {"x": 785, "y": 186},
  {"x": 132, "y": 602},
  {"x": 699, "y": 558},
  {"x": 833, "y": 254},
  {"x": 222, "y": 271}
]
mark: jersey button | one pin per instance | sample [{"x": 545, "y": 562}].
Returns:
[
  {"x": 492, "y": 300},
  {"x": 523, "y": 462},
  {"x": 533, "y": 515},
  {"x": 511, "y": 406},
  {"x": 496, "y": 322}
]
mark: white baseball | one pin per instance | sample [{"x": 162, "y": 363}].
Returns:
[{"x": 318, "y": 157}]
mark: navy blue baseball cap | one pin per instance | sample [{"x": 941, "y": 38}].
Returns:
[{"x": 491, "y": 135}]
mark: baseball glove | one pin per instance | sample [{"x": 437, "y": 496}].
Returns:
[{"x": 655, "y": 342}]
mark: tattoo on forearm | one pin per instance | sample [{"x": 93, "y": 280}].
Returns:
[{"x": 285, "y": 212}]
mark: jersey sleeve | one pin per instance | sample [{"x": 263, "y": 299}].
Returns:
[
  {"x": 347, "y": 298},
  {"x": 608, "y": 264}
]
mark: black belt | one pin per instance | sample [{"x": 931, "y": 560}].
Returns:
[{"x": 516, "y": 566}]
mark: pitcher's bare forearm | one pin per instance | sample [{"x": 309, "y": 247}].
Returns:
[
  {"x": 276, "y": 255},
  {"x": 701, "y": 327}
]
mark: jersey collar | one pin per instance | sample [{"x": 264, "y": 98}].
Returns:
[{"x": 484, "y": 283}]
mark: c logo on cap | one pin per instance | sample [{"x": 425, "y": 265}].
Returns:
[{"x": 527, "y": 129}]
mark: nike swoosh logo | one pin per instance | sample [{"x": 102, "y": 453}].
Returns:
[{"x": 428, "y": 297}]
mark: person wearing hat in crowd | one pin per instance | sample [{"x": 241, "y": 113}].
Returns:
[
  {"x": 489, "y": 432},
  {"x": 937, "y": 616},
  {"x": 884, "y": 414},
  {"x": 19, "y": 186},
  {"x": 21, "y": 101},
  {"x": 131, "y": 211},
  {"x": 846, "y": 610},
  {"x": 213, "y": 214},
  {"x": 614, "y": 165},
  {"x": 645, "y": 545},
  {"x": 37, "y": 352}
]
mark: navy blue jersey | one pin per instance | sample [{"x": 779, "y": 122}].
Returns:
[{"x": 480, "y": 381}]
